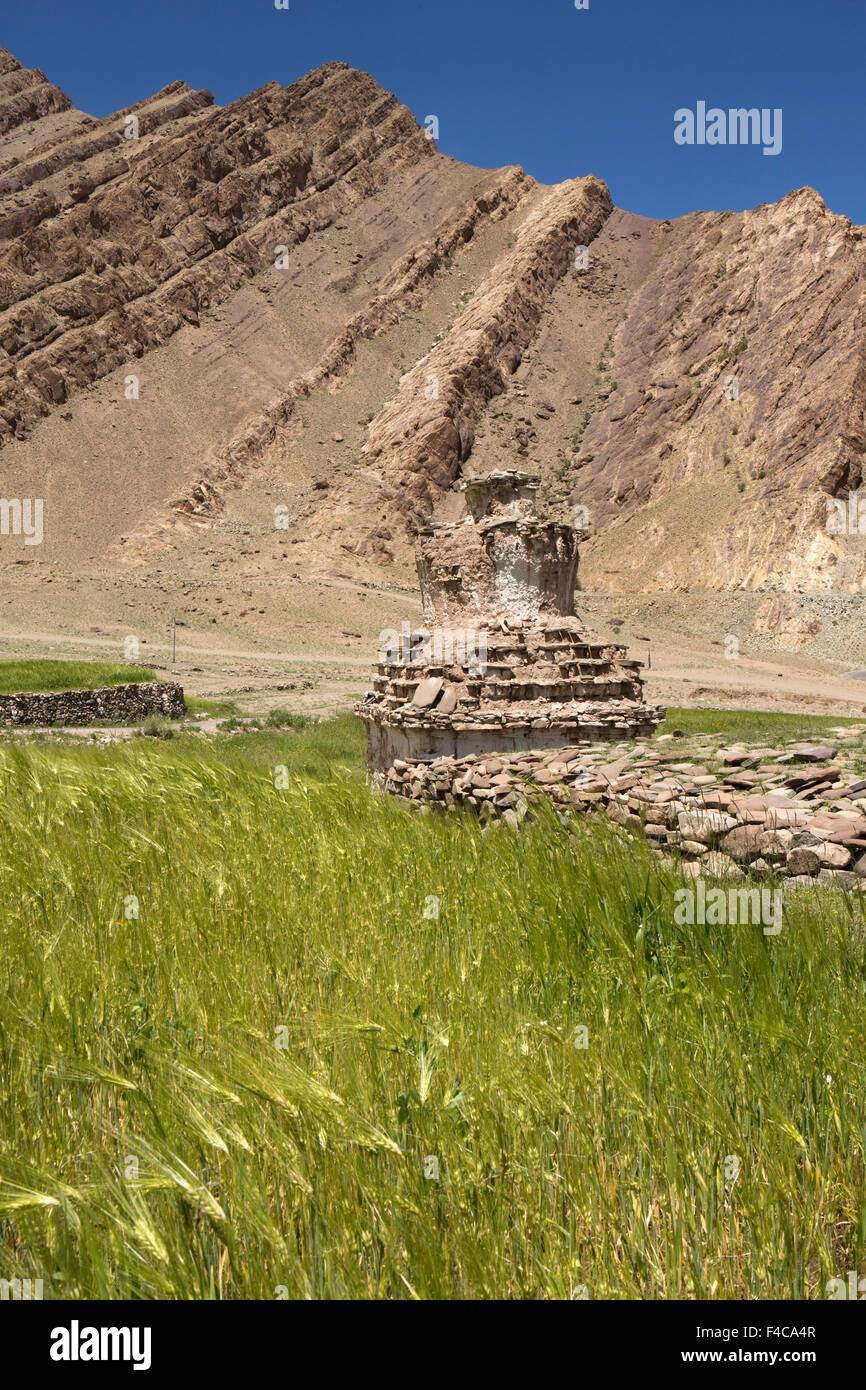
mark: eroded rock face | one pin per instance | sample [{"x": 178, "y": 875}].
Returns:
[
  {"x": 790, "y": 626},
  {"x": 738, "y": 408},
  {"x": 504, "y": 663},
  {"x": 26, "y": 95},
  {"x": 402, "y": 290},
  {"x": 145, "y": 233},
  {"x": 419, "y": 441}
]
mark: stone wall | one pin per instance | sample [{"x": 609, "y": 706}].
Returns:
[
  {"x": 119, "y": 702},
  {"x": 813, "y": 831}
]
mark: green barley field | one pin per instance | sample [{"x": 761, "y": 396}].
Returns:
[
  {"x": 242, "y": 1057},
  {"x": 17, "y": 677}
]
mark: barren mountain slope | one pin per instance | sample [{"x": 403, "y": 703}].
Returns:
[
  {"x": 140, "y": 238},
  {"x": 244, "y": 352},
  {"x": 169, "y": 300},
  {"x": 740, "y": 372}
]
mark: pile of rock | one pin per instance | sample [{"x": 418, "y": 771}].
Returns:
[{"x": 807, "y": 825}]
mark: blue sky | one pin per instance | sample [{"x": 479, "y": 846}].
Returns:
[{"x": 560, "y": 91}]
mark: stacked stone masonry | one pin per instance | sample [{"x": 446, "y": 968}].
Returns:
[
  {"x": 806, "y": 825},
  {"x": 503, "y": 663},
  {"x": 74, "y": 707}
]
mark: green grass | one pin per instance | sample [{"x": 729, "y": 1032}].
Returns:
[
  {"x": 214, "y": 709},
  {"x": 236, "y": 1091},
  {"x": 752, "y": 726},
  {"x": 21, "y": 677}
]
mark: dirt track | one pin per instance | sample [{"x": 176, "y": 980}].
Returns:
[{"x": 315, "y": 660}]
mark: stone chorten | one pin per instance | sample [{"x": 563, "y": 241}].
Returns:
[{"x": 503, "y": 663}]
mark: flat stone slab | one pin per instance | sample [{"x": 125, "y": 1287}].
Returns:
[
  {"x": 448, "y": 702},
  {"x": 813, "y": 752},
  {"x": 427, "y": 691}
]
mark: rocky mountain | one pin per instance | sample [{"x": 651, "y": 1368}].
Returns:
[
  {"x": 293, "y": 321},
  {"x": 739, "y": 406}
]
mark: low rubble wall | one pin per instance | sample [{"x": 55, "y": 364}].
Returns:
[
  {"x": 813, "y": 831},
  {"x": 121, "y": 702}
]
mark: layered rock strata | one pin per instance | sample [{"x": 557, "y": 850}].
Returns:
[
  {"x": 419, "y": 440},
  {"x": 157, "y": 228},
  {"x": 403, "y": 289}
]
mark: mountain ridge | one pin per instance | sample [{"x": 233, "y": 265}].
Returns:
[{"x": 285, "y": 278}]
